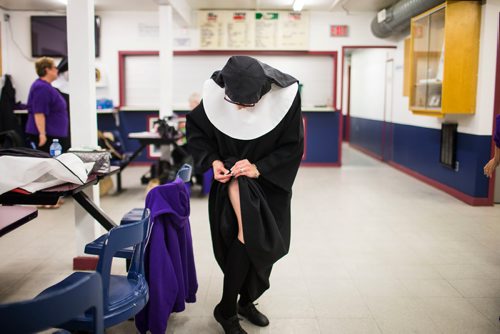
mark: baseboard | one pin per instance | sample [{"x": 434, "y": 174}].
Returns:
[
  {"x": 366, "y": 151},
  {"x": 474, "y": 201},
  {"x": 320, "y": 164},
  {"x": 85, "y": 262}
]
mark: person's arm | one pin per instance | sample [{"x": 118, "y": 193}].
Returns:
[
  {"x": 202, "y": 144},
  {"x": 40, "y": 125},
  {"x": 40, "y": 105},
  {"x": 281, "y": 165},
  {"x": 490, "y": 167}
]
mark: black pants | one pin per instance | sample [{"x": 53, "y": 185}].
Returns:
[{"x": 33, "y": 142}]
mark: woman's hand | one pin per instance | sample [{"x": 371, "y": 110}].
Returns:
[
  {"x": 221, "y": 174},
  {"x": 490, "y": 167},
  {"x": 42, "y": 139},
  {"x": 245, "y": 168}
]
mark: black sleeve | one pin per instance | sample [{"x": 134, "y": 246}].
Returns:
[
  {"x": 201, "y": 141},
  {"x": 280, "y": 167}
]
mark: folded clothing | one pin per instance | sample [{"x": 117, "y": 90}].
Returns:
[{"x": 36, "y": 173}]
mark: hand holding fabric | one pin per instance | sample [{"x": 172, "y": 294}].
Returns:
[
  {"x": 245, "y": 168},
  {"x": 221, "y": 174}
]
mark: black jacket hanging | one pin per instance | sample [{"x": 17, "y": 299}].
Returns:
[{"x": 8, "y": 120}]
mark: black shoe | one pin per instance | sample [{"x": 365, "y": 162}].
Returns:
[
  {"x": 231, "y": 325},
  {"x": 253, "y": 315}
]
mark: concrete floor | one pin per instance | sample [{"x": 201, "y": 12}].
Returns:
[{"x": 373, "y": 251}]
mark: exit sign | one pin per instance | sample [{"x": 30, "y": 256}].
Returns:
[{"x": 339, "y": 31}]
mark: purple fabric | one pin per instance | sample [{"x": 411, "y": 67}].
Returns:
[
  {"x": 45, "y": 99},
  {"x": 496, "y": 137},
  {"x": 169, "y": 259}
]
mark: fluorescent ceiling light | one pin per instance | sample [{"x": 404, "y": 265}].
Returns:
[
  {"x": 64, "y": 2},
  {"x": 298, "y": 5}
]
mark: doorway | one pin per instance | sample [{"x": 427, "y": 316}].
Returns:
[
  {"x": 494, "y": 185},
  {"x": 366, "y": 99},
  {"x": 387, "y": 134}
]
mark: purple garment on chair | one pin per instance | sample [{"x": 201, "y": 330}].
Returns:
[
  {"x": 169, "y": 259},
  {"x": 496, "y": 137}
]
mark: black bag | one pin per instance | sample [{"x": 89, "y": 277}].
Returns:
[
  {"x": 24, "y": 152},
  {"x": 10, "y": 139}
]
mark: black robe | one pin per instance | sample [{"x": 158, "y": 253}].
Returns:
[{"x": 265, "y": 201}]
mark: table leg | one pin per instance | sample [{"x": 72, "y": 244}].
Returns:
[
  {"x": 94, "y": 210},
  {"x": 124, "y": 165},
  {"x": 133, "y": 156}
]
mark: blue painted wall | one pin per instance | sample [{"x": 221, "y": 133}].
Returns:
[
  {"x": 418, "y": 149},
  {"x": 322, "y": 142},
  {"x": 322, "y": 133},
  {"x": 130, "y": 121},
  {"x": 367, "y": 133}
]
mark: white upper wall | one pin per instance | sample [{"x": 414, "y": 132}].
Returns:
[
  {"x": 359, "y": 35},
  {"x": 122, "y": 31},
  {"x": 3, "y": 38},
  {"x": 119, "y": 31},
  {"x": 139, "y": 31},
  {"x": 481, "y": 123},
  {"x": 17, "y": 45},
  {"x": 359, "y": 31}
]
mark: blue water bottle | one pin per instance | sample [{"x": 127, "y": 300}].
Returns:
[{"x": 55, "y": 148}]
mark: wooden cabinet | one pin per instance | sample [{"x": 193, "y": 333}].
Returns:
[{"x": 444, "y": 59}]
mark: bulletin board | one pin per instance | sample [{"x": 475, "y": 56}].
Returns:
[{"x": 253, "y": 30}]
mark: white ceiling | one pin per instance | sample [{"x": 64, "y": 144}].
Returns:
[{"x": 133, "y": 5}]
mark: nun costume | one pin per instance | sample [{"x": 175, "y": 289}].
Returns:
[{"x": 248, "y": 128}]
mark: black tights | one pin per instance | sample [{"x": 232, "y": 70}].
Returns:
[{"x": 237, "y": 266}]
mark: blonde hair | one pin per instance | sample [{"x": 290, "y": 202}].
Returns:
[{"x": 42, "y": 64}]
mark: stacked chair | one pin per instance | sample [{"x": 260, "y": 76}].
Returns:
[
  {"x": 61, "y": 304},
  {"x": 93, "y": 301},
  {"x": 112, "y": 298}
]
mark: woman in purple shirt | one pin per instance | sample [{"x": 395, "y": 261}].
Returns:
[
  {"x": 47, "y": 109},
  {"x": 490, "y": 167}
]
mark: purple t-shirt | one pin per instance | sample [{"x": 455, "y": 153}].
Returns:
[
  {"x": 496, "y": 137},
  {"x": 43, "y": 98}
]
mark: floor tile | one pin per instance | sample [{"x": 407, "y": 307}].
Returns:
[{"x": 373, "y": 251}]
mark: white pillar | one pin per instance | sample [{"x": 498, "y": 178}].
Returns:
[
  {"x": 166, "y": 59},
  {"x": 81, "y": 61}
]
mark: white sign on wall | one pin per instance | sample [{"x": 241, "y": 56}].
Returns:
[{"x": 253, "y": 30}]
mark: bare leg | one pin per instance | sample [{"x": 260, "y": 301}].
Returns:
[
  {"x": 234, "y": 197},
  {"x": 237, "y": 264}
]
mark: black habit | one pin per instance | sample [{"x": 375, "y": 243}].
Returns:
[{"x": 276, "y": 150}]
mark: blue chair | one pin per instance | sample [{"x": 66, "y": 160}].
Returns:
[
  {"x": 119, "y": 146},
  {"x": 123, "y": 296},
  {"x": 184, "y": 173},
  {"x": 94, "y": 247},
  {"x": 56, "y": 307}
]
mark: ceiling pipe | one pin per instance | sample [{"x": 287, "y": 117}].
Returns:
[{"x": 397, "y": 16}]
